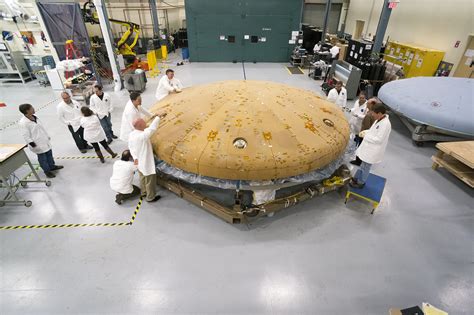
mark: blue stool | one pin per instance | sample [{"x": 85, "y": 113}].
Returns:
[{"x": 371, "y": 192}]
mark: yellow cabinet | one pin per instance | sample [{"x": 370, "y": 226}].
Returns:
[{"x": 416, "y": 61}]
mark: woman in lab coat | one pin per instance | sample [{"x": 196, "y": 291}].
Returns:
[
  {"x": 358, "y": 112},
  {"x": 94, "y": 133},
  {"x": 338, "y": 95},
  {"x": 372, "y": 148}
]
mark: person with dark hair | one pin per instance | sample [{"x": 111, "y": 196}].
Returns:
[
  {"x": 101, "y": 105},
  {"x": 367, "y": 122},
  {"x": 94, "y": 133},
  {"x": 168, "y": 84},
  {"x": 37, "y": 139},
  {"x": 69, "y": 113},
  {"x": 372, "y": 148},
  {"x": 133, "y": 110},
  {"x": 358, "y": 112},
  {"x": 122, "y": 178},
  {"x": 338, "y": 95}
]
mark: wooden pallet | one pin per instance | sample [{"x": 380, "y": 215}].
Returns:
[{"x": 458, "y": 158}]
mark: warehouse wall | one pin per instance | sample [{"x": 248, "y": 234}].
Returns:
[
  {"x": 433, "y": 24},
  {"x": 231, "y": 30}
]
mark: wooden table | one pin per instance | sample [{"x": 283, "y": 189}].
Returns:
[
  {"x": 12, "y": 157},
  {"x": 458, "y": 158}
]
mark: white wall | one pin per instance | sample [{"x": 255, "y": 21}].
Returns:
[
  {"x": 434, "y": 24},
  {"x": 40, "y": 48}
]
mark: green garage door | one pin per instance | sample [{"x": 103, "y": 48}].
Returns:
[{"x": 241, "y": 31}]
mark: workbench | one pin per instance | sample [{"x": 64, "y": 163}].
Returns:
[
  {"x": 13, "y": 157},
  {"x": 458, "y": 158}
]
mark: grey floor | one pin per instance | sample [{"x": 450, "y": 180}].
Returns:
[{"x": 320, "y": 257}]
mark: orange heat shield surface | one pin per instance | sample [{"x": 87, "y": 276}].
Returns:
[{"x": 249, "y": 130}]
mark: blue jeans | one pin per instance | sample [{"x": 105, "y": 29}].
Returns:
[
  {"x": 106, "y": 124},
  {"x": 46, "y": 161},
  {"x": 364, "y": 172}
]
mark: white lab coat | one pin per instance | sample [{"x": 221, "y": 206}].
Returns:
[
  {"x": 122, "y": 177},
  {"x": 102, "y": 107},
  {"x": 358, "y": 113},
  {"x": 165, "y": 86},
  {"x": 130, "y": 113},
  {"x": 93, "y": 131},
  {"x": 140, "y": 147},
  {"x": 334, "y": 51},
  {"x": 70, "y": 114},
  {"x": 317, "y": 47},
  {"x": 372, "y": 148},
  {"x": 340, "y": 99},
  {"x": 35, "y": 132}
]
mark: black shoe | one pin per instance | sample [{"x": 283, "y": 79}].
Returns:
[
  {"x": 114, "y": 137},
  {"x": 157, "y": 197},
  {"x": 109, "y": 141},
  {"x": 118, "y": 199},
  {"x": 356, "y": 162},
  {"x": 354, "y": 184},
  {"x": 89, "y": 147},
  {"x": 83, "y": 151},
  {"x": 50, "y": 174},
  {"x": 57, "y": 167}
]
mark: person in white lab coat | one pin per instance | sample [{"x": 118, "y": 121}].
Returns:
[
  {"x": 334, "y": 51},
  {"x": 317, "y": 47},
  {"x": 168, "y": 84},
  {"x": 37, "y": 139},
  {"x": 94, "y": 133},
  {"x": 358, "y": 112},
  {"x": 133, "y": 110},
  {"x": 372, "y": 148},
  {"x": 338, "y": 95},
  {"x": 69, "y": 113},
  {"x": 140, "y": 147},
  {"x": 101, "y": 105},
  {"x": 122, "y": 178}
]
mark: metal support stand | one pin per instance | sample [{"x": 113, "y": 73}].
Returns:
[
  {"x": 237, "y": 213},
  {"x": 423, "y": 133},
  {"x": 7, "y": 168}
]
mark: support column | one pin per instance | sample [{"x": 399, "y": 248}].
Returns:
[
  {"x": 381, "y": 27},
  {"x": 108, "y": 39},
  {"x": 154, "y": 17},
  {"x": 326, "y": 19}
]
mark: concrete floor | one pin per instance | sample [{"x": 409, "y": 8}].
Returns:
[{"x": 320, "y": 257}]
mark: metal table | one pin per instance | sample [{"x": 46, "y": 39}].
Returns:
[{"x": 12, "y": 157}]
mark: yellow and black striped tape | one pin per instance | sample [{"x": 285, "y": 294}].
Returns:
[
  {"x": 13, "y": 123},
  {"x": 76, "y": 225},
  {"x": 82, "y": 157},
  {"x": 137, "y": 208}
]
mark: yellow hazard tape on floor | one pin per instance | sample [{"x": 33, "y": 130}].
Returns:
[
  {"x": 13, "y": 123},
  {"x": 76, "y": 225},
  {"x": 82, "y": 157}
]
